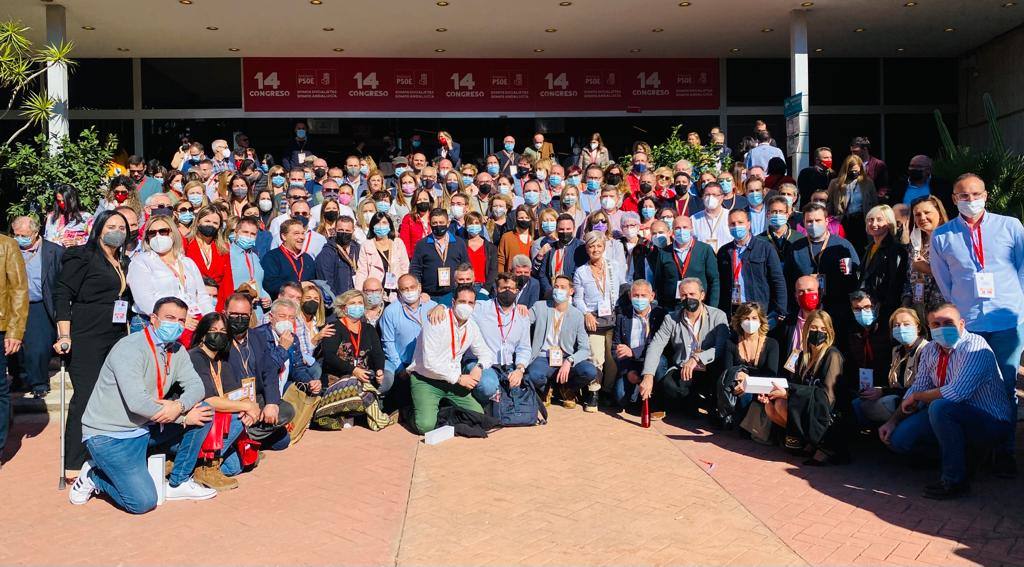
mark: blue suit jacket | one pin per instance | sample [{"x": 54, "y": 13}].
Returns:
[
  {"x": 277, "y": 270},
  {"x": 762, "y": 276},
  {"x": 50, "y": 255},
  {"x": 272, "y": 357},
  {"x": 575, "y": 255}
]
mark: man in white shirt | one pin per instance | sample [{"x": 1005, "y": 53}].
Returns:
[
  {"x": 436, "y": 371},
  {"x": 711, "y": 225}
]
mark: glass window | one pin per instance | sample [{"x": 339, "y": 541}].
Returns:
[
  {"x": 836, "y": 131},
  {"x": 843, "y": 81},
  {"x": 756, "y": 82},
  {"x": 907, "y": 135},
  {"x": 100, "y": 84},
  {"x": 920, "y": 81},
  {"x": 191, "y": 83}
]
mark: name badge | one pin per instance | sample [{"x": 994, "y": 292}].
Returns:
[
  {"x": 120, "y": 311},
  {"x": 679, "y": 290},
  {"x": 604, "y": 308},
  {"x": 444, "y": 277},
  {"x": 791, "y": 361},
  {"x": 513, "y": 170},
  {"x": 736, "y": 296},
  {"x": 390, "y": 281},
  {"x": 867, "y": 379},
  {"x": 302, "y": 157},
  {"x": 918, "y": 292},
  {"x": 821, "y": 285},
  {"x": 984, "y": 285},
  {"x": 555, "y": 356},
  {"x": 248, "y": 389}
]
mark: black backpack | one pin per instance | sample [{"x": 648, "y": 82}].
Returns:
[{"x": 518, "y": 407}]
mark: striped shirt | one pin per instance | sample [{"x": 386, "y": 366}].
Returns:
[{"x": 972, "y": 376}]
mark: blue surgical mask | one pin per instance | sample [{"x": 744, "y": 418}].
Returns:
[
  {"x": 380, "y": 231},
  {"x": 560, "y": 295},
  {"x": 355, "y": 311},
  {"x": 947, "y": 337},
  {"x": 364, "y": 170},
  {"x": 338, "y": 180},
  {"x": 548, "y": 226},
  {"x": 904, "y": 334},
  {"x": 755, "y": 198},
  {"x": 416, "y": 143},
  {"x": 168, "y": 331},
  {"x": 726, "y": 186},
  {"x": 682, "y": 236},
  {"x": 452, "y": 186},
  {"x": 300, "y": 134},
  {"x": 467, "y": 180},
  {"x": 648, "y": 212},
  {"x": 640, "y": 167},
  {"x": 23, "y": 241},
  {"x": 531, "y": 198},
  {"x": 308, "y": 175},
  {"x": 640, "y": 303},
  {"x": 509, "y": 146},
  {"x": 573, "y": 181},
  {"x": 382, "y": 206},
  {"x": 196, "y": 200},
  {"x": 789, "y": 201},
  {"x": 568, "y": 200},
  {"x": 555, "y": 180},
  {"x": 186, "y": 217},
  {"x": 374, "y": 298},
  {"x": 399, "y": 171},
  {"x": 278, "y": 180},
  {"x": 593, "y": 185},
  {"x": 777, "y": 220},
  {"x": 864, "y": 317},
  {"x": 738, "y": 232},
  {"x": 245, "y": 243},
  {"x": 492, "y": 168},
  {"x": 815, "y": 230},
  {"x": 473, "y": 229},
  {"x": 660, "y": 240},
  {"x": 504, "y": 189}
]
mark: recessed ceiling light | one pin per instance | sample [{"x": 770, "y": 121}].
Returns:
[
  {"x": 900, "y": 49},
  {"x": 910, "y": 4},
  {"x": 807, "y": 4},
  {"x": 232, "y": 49},
  {"x": 316, "y": 2},
  {"x": 538, "y": 50},
  {"x": 88, "y": 28},
  {"x": 684, "y": 4},
  {"x": 1009, "y": 4},
  {"x": 734, "y": 50},
  {"x": 442, "y": 4},
  {"x": 212, "y": 28},
  {"x": 658, "y": 30},
  {"x": 565, "y": 3},
  {"x": 185, "y": 2},
  {"x": 439, "y": 50},
  {"x": 441, "y": 30},
  {"x": 634, "y": 50},
  {"x": 818, "y": 50},
  {"x": 766, "y": 30},
  {"x": 858, "y": 30},
  {"x": 46, "y": 1},
  {"x": 551, "y": 30},
  {"x": 338, "y": 49},
  {"x": 328, "y": 29},
  {"x": 123, "y": 49},
  {"x": 949, "y": 29}
]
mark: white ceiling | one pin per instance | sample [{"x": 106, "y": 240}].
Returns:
[{"x": 515, "y": 28}]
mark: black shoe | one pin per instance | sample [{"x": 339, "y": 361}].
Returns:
[
  {"x": 946, "y": 491},
  {"x": 591, "y": 403},
  {"x": 40, "y": 393},
  {"x": 1004, "y": 465}
]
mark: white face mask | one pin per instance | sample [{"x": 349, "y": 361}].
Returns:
[
  {"x": 971, "y": 209},
  {"x": 458, "y": 211},
  {"x": 366, "y": 217},
  {"x": 711, "y": 202},
  {"x": 608, "y": 203},
  {"x": 226, "y": 153},
  {"x": 410, "y": 296},
  {"x": 593, "y": 145},
  {"x": 631, "y": 232},
  {"x": 265, "y": 205},
  {"x": 750, "y": 326},
  {"x": 161, "y": 244},
  {"x": 463, "y": 311},
  {"x": 282, "y": 327}
]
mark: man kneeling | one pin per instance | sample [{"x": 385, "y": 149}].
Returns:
[
  {"x": 957, "y": 399},
  {"x": 128, "y": 414}
]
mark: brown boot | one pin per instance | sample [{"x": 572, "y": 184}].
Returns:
[
  {"x": 209, "y": 474},
  {"x": 568, "y": 396}
]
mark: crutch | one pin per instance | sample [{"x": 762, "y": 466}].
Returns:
[{"x": 62, "y": 481}]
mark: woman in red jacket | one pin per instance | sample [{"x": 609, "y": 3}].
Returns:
[
  {"x": 207, "y": 246},
  {"x": 416, "y": 224}
]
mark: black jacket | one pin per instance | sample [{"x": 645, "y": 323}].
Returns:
[
  {"x": 50, "y": 255},
  {"x": 425, "y": 262},
  {"x": 623, "y": 332},
  {"x": 884, "y": 275},
  {"x": 335, "y": 270},
  {"x": 575, "y": 255},
  {"x": 703, "y": 266}
]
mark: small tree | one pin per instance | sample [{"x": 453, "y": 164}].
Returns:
[
  {"x": 675, "y": 148},
  {"x": 81, "y": 163},
  {"x": 21, "y": 66}
]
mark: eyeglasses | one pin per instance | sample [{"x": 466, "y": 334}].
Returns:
[
  {"x": 158, "y": 231},
  {"x": 186, "y": 210},
  {"x": 303, "y": 215},
  {"x": 664, "y": 177}
]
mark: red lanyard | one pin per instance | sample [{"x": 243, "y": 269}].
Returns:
[
  {"x": 977, "y": 244},
  {"x": 451, "y": 321},
  {"x": 940, "y": 370},
  {"x": 167, "y": 365},
  {"x": 297, "y": 269},
  {"x": 682, "y": 268},
  {"x": 737, "y": 266},
  {"x": 248, "y": 264},
  {"x": 559, "y": 260},
  {"x": 305, "y": 245},
  {"x": 501, "y": 326},
  {"x": 356, "y": 338}
]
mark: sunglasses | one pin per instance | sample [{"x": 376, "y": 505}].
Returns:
[
  {"x": 303, "y": 215},
  {"x": 664, "y": 177},
  {"x": 186, "y": 210},
  {"x": 158, "y": 231},
  {"x": 298, "y": 197}
]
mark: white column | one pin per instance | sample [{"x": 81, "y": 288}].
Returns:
[
  {"x": 799, "y": 149},
  {"x": 57, "y": 77}
]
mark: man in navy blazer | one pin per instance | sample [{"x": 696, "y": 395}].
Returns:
[
  {"x": 749, "y": 269},
  {"x": 529, "y": 286},
  {"x": 635, "y": 326},
  {"x": 288, "y": 262},
  {"x": 435, "y": 258},
  {"x": 563, "y": 258},
  {"x": 42, "y": 264}
]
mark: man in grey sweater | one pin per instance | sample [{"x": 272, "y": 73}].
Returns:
[{"x": 129, "y": 414}]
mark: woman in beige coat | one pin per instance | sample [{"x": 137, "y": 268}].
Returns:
[{"x": 850, "y": 196}]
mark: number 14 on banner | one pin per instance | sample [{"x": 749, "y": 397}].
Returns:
[{"x": 462, "y": 81}]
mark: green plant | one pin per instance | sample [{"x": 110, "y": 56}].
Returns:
[
  {"x": 675, "y": 148},
  {"x": 1000, "y": 168},
  {"x": 21, "y": 66},
  {"x": 81, "y": 163}
]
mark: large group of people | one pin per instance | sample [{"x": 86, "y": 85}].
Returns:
[{"x": 216, "y": 309}]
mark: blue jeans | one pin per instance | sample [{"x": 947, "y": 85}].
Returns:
[
  {"x": 5, "y": 400},
  {"x": 946, "y": 428},
  {"x": 1007, "y": 345},
  {"x": 487, "y": 385},
  {"x": 580, "y": 375}
]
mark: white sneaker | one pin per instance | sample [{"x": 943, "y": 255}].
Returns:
[
  {"x": 83, "y": 487},
  {"x": 189, "y": 490}
]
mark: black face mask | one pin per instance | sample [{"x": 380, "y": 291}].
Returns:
[
  {"x": 682, "y": 190},
  {"x": 523, "y": 224},
  {"x": 343, "y": 238},
  {"x": 484, "y": 188},
  {"x": 852, "y": 175},
  {"x": 564, "y": 238},
  {"x": 645, "y": 187},
  {"x": 816, "y": 338},
  {"x": 915, "y": 175},
  {"x": 522, "y": 172},
  {"x": 133, "y": 240},
  {"x": 319, "y": 173},
  {"x": 303, "y": 220},
  {"x": 331, "y": 216},
  {"x": 422, "y": 207},
  {"x": 506, "y": 298},
  {"x": 691, "y": 304},
  {"x": 238, "y": 324},
  {"x": 216, "y": 341},
  {"x": 209, "y": 231},
  {"x": 612, "y": 179},
  {"x": 439, "y": 231},
  {"x": 522, "y": 281},
  {"x": 310, "y": 307}
]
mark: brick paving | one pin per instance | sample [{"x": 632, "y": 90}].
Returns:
[{"x": 587, "y": 489}]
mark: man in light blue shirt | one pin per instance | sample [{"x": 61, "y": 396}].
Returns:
[
  {"x": 245, "y": 264},
  {"x": 506, "y": 329},
  {"x": 977, "y": 260},
  {"x": 763, "y": 152},
  {"x": 401, "y": 325}
]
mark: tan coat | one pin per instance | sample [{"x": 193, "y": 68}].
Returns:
[
  {"x": 13, "y": 290},
  {"x": 839, "y": 197}
]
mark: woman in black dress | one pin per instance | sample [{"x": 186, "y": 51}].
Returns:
[
  {"x": 752, "y": 353},
  {"x": 91, "y": 301}
]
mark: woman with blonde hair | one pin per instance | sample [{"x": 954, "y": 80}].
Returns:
[
  {"x": 884, "y": 261},
  {"x": 922, "y": 292},
  {"x": 330, "y": 211},
  {"x": 223, "y": 185},
  {"x": 498, "y": 217},
  {"x": 813, "y": 396},
  {"x": 207, "y": 245},
  {"x": 374, "y": 181},
  {"x": 596, "y": 286},
  {"x": 195, "y": 193},
  {"x": 850, "y": 195},
  {"x": 614, "y": 252},
  {"x": 364, "y": 212}
]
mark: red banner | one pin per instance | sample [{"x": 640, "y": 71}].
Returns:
[{"x": 478, "y": 85}]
